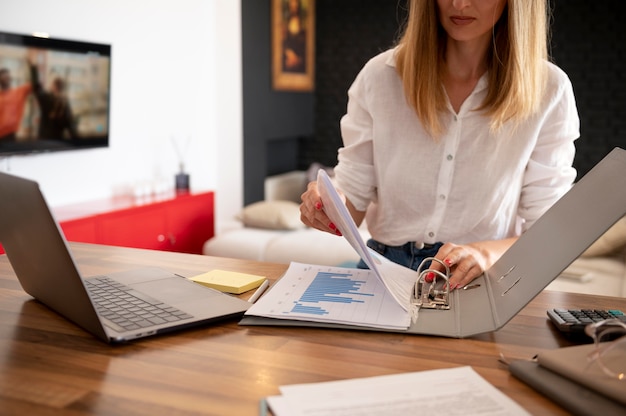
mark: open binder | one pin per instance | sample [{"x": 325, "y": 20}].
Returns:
[{"x": 562, "y": 234}]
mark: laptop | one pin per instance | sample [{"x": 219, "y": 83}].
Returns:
[
  {"x": 159, "y": 301},
  {"x": 556, "y": 239}
]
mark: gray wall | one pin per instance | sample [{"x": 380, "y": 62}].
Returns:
[{"x": 268, "y": 116}]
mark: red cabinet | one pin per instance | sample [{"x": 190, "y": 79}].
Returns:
[
  {"x": 83, "y": 230},
  {"x": 177, "y": 223}
]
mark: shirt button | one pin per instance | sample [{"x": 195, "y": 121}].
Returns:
[
  {"x": 455, "y": 118},
  {"x": 442, "y": 197},
  {"x": 449, "y": 157},
  {"x": 431, "y": 234}
]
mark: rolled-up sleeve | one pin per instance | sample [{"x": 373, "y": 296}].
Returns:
[
  {"x": 549, "y": 173},
  {"x": 355, "y": 174}
]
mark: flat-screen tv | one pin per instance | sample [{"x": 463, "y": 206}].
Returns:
[{"x": 54, "y": 94}]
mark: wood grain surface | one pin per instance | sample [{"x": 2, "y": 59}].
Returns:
[{"x": 48, "y": 366}]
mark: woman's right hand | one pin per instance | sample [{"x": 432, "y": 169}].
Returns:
[{"x": 312, "y": 211}]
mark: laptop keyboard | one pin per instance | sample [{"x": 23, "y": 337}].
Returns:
[{"x": 129, "y": 308}]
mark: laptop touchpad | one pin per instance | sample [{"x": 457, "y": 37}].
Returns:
[{"x": 175, "y": 289}]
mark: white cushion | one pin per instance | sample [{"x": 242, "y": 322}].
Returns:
[{"x": 308, "y": 245}]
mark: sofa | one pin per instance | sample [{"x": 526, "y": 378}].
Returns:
[
  {"x": 601, "y": 269},
  {"x": 271, "y": 230}
]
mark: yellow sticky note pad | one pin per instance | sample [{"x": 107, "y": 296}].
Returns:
[{"x": 230, "y": 282}]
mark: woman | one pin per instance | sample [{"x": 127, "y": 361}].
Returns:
[{"x": 458, "y": 139}]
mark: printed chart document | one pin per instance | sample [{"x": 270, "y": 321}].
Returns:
[
  {"x": 459, "y": 391},
  {"x": 379, "y": 297},
  {"x": 398, "y": 280},
  {"x": 331, "y": 294}
]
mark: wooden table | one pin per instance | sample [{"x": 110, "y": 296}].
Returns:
[{"x": 50, "y": 366}]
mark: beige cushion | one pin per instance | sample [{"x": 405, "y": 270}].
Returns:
[
  {"x": 285, "y": 186},
  {"x": 612, "y": 241},
  {"x": 275, "y": 215}
]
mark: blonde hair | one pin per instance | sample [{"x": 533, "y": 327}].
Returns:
[{"x": 517, "y": 72}]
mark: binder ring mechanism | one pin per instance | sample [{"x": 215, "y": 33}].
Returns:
[{"x": 428, "y": 294}]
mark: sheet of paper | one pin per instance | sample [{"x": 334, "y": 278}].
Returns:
[
  {"x": 399, "y": 280},
  {"x": 459, "y": 391},
  {"x": 334, "y": 295}
]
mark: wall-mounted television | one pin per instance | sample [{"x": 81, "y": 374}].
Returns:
[{"x": 54, "y": 94}]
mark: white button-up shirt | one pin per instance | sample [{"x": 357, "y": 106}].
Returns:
[{"x": 470, "y": 185}]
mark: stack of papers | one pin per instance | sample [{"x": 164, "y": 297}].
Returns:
[
  {"x": 379, "y": 297},
  {"x": 332, "y": 295},
  {"x": 459, "y": 391},
  {"x": 397, "y": 279}
]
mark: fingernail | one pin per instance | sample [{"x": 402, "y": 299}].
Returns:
[
  {"x": 332, "y": 226},
  {"x": 430, "y": 276},
  {"x": 318, "y": 205},
  {"x": 447, "y": 261}
]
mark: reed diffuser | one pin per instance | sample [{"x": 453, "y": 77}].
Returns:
[{"x": 181, "y": 180}]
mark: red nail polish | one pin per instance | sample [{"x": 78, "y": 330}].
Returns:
[
  {"x": 430, "y": 276},
  {"x": 447, "y": 261},
  {"x": 318, "y": 205},
  {"x": 332, "y": 226}
]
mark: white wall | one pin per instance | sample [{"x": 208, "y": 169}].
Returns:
[{"x": 176, "y": 72}]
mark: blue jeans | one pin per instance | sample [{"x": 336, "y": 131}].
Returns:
[{"x": 407, "y": 254}]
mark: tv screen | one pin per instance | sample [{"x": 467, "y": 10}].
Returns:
[{"x": 54, "y": 94}]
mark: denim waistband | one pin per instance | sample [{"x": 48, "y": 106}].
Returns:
[
  {"x": 408, "y": 254},
  {"x": 409, "y": 247}
]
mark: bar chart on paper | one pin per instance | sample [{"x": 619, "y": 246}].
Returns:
[
  {"x": 329, "y": 288},
  {"x": 331, "y": 294}
]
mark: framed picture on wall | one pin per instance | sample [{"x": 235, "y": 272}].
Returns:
[{"x": 293, "y": 45}]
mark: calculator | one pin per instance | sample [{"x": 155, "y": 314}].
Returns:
[{"x": 575, "y": 320}]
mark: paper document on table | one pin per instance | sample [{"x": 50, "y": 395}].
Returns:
[
  {"x": 399, "y": 280},
  {"x": 436, "y": 392},
  {"x": 332, "y": 295}
]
